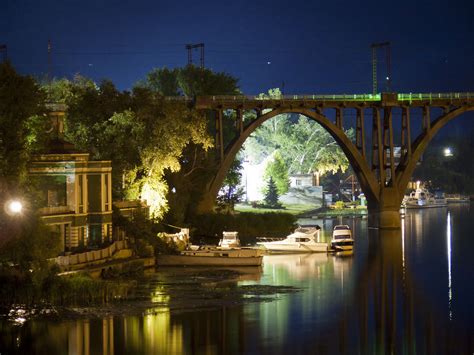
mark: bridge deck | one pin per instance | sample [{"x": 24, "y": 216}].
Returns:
[{"x": 330, "y": 101}]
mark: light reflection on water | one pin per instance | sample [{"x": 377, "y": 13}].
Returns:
[{"x": 394, "y": 295}]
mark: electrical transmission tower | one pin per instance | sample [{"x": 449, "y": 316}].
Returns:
[
  {"x": 190, "y": 48},
  {"x": 388, "y": 78}
]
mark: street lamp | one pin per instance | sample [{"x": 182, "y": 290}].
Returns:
[
  {"x": 448, "y": 152},
  {"x": 14, "y": 207}
]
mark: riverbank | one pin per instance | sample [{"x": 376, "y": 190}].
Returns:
[
  {"x": 176, "y": 289},
  {"x": 306, "y": 211}
]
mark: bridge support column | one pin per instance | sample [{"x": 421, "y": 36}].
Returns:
[{"x": 387, "y": 210}]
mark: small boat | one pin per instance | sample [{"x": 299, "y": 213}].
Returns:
[
  {"x": 302, "y": 240},
  {"x": 212, "y": 256},
  {"x": 456, "y": 198},
  {"x": 229, "y": 240},
  {"x": 342, "y": 238},
  {"x": 421, "y": 198}
]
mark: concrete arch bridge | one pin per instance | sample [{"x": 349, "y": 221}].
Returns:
[{"x": 382, "y": 177}]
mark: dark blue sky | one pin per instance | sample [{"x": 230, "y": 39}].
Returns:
[{"x": 314, "y": 47}]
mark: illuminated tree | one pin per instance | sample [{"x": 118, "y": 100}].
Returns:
[
  {"x": 278, "y": 171},
  {"x": 304, "y": 145}
]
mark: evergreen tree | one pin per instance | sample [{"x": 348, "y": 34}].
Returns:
[
  {"x": 278, "y": 170},
  {"x": 271, "y": 195}
]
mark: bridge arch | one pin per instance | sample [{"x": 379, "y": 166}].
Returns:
[
  {"x": 421, "y": 143},
  {"x": 365, "y": 176},
  {"x": 383, "y": 179}
]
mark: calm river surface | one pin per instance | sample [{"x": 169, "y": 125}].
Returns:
[{"x": 402, "y": 292}]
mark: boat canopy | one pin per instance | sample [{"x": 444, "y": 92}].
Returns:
[{"x": 341, "y": 227}]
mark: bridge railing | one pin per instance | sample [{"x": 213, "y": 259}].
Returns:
[
  {"x": 335, "y": 97},
  {"x": 436, "y": 96}
]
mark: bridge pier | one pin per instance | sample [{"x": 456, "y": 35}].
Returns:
[{"x": 385, "y": 213}]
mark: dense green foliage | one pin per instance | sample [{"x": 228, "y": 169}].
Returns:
[
  {"x": 21, "y": 107},
  {"x": 249, "y": 225},
  {"x": 197, "y": 166},
  {"x": 46, "y": 288},
  {"x": 24, "y": 241},
  {"x": 144, "y": 135},
  {"x": 141, "y": 231},
  {"x": 231, "y": 191},
  {"x": 278, "y": 171},
  {"x": 189, "y": 81}
]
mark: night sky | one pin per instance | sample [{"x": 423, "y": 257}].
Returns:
[{"x": 313, "y": 47}]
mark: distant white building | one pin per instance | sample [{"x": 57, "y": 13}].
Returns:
[{"x": 301, "y": 180}]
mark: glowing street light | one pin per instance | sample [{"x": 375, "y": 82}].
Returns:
[
  {"x": 14, "y": 207},
  {"x": 448, "y": 152}
]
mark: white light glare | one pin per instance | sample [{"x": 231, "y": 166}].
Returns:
[
  {"x": 15, "y": 206},
  {"x": 448, "y": 152}
]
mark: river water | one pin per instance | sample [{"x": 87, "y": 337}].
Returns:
[{"x": 409, "y": 291}]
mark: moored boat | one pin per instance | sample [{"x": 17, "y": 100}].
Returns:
[
  {"x": 302, "y": 240},
  {"x": 212, "y": 256},
  {"x": 229, "y": 240},
  {"x": 421, "y": 198},
  {"x": 342, "y": 238}
]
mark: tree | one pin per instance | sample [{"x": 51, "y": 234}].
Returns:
[
  {"x": 304, "y": 145},
  {"x": 231, "y": 192},
  {"x": 278, "y": 171},
  {"x": 141, "y": 133},
  {"x": 23, "y": 238},
  {"x": 271, "y": 195},
  {"x": 21, "y": 126},
  {"x": 163, "y": 81},
  {"x": 197, "y": 163}
]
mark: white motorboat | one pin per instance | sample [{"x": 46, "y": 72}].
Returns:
[
  {"x": 228, "y": 253},
  {"x": 302, "y": 240},
  {"x": 229, "y": 240},
  {"x": 212, "y": 256},
  {"x": 421, "y": 198},
  {"x": 342, "y": 238}
]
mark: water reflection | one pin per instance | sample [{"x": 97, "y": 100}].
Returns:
[
  {"x": 448, "y": 242},
  {"x": 388, "y": 297},
  {"x": 295, "y": 266}
]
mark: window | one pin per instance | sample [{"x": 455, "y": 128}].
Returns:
[
  {"x": 80, "y": 193},
  {"x": 95, "y": 234},
  {"x": 106, "y": 192},
  {"x": 80, "y": 236}
]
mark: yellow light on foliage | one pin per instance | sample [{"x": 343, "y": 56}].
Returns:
[{"x": 154, "y": 193}]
